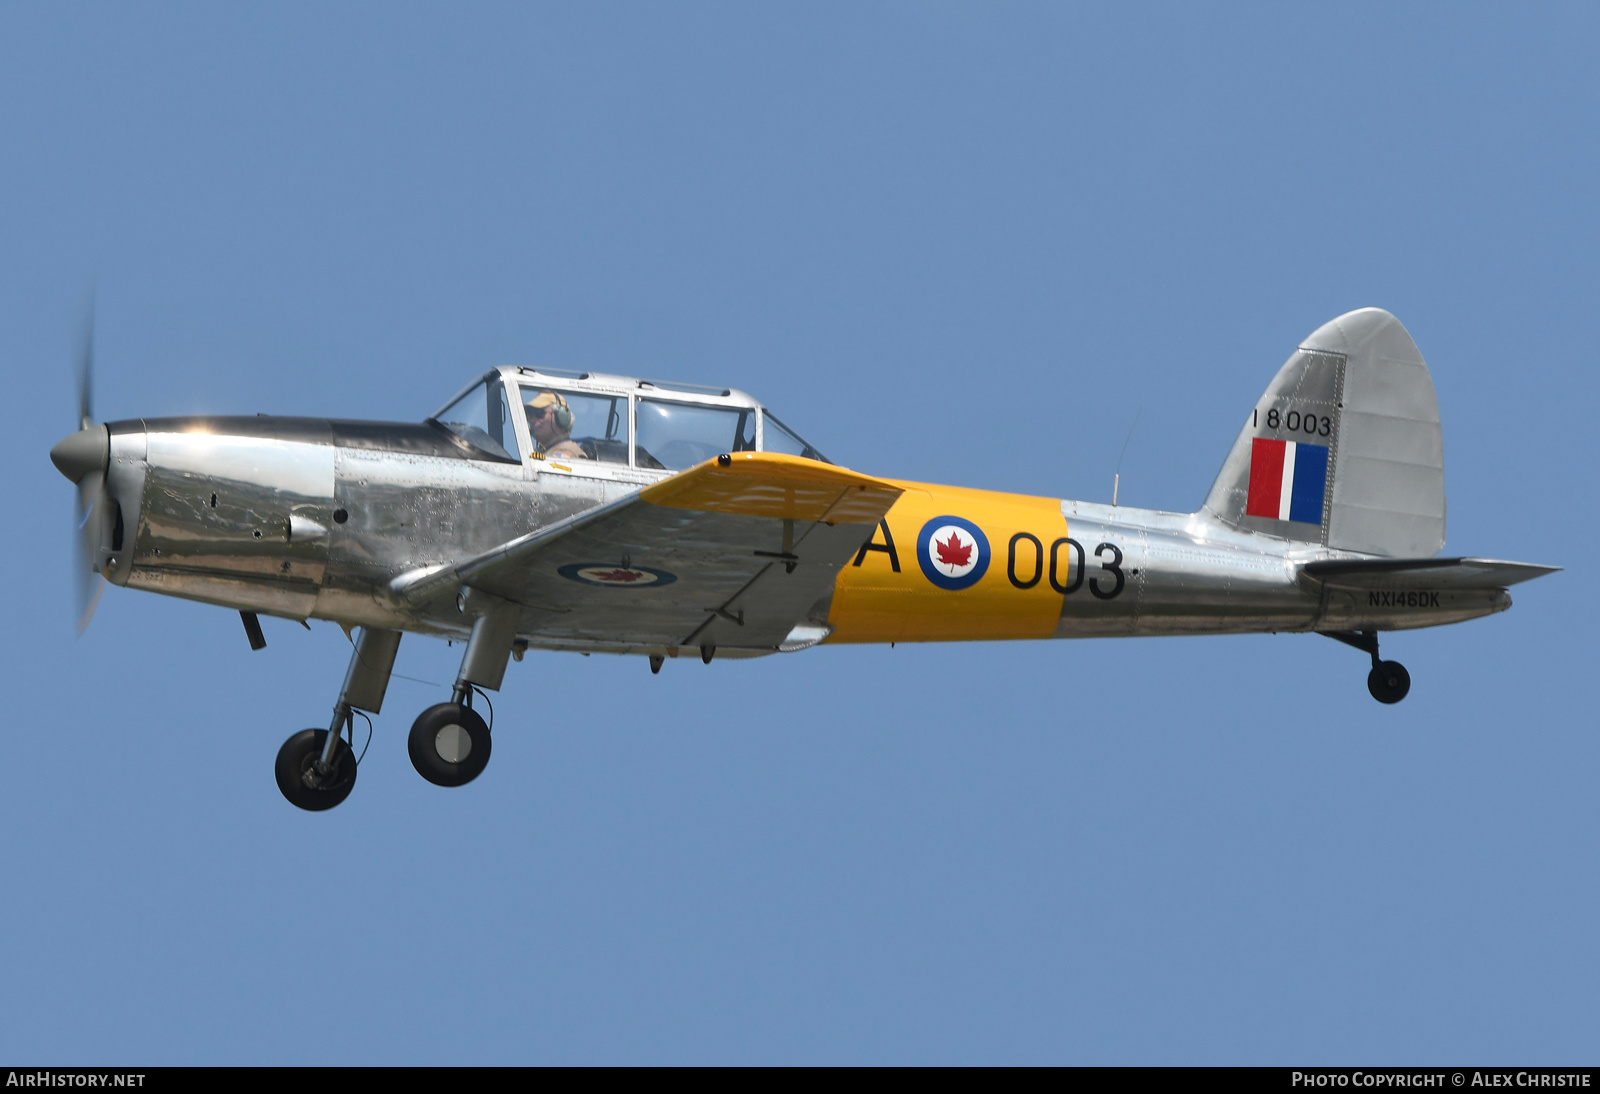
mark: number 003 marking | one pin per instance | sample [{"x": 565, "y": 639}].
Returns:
[{"x": 1026, "y": 555}]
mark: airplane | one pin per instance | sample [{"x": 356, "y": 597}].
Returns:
[{"x": 582, "y": 511}]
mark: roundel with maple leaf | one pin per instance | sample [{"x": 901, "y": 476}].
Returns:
[
  {"x": 614, "y": 576},
  {"x": 953, "y": 553}
]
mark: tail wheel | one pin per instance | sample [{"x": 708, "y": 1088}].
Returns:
[
  {"x": 1389, "y": 682},
  {"x": 449, "y": 744}
]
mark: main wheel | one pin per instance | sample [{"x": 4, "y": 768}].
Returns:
[
  {"x": 296, "y": 770},
  {"x": 1389, "y": 682},
  {"x": 449, "y": 744}
]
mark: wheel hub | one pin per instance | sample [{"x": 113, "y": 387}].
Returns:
[
  {"x": 453, "y": 743},
  {"x": 310, "y": 777},
  {"x": 314, "y": 778}
]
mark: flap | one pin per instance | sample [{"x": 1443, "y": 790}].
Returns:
[
  {"x": 729, "y": 554},
  {"x": 1436, "y": 573}
]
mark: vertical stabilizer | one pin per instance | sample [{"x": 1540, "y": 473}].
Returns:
[{"x": 1344, "y": 447}]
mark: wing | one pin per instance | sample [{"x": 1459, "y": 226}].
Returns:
[
  {"x": 1395, "y": 573},
  {"x": 730, "y": 553}
]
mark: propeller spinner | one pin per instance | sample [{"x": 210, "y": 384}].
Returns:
[{"x": 83, "y": 458}]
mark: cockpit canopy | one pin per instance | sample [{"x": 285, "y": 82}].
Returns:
[{"x": 612, "y": 420}]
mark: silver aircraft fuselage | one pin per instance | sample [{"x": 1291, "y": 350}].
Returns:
[{"x": 314, "y": 519}]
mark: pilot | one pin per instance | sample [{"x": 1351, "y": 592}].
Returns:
[{"x": 550, "y": 422}]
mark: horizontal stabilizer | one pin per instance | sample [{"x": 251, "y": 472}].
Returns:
[{"x": 1437, "y": 573}]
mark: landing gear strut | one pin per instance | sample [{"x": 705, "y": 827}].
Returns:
[
  {"x": 1388, "y": 682},
  {"x": 316, "y": 768},
  {"x": 449, "y": 742}
]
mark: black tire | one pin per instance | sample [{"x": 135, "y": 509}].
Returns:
[
  {"x": 449, "y": 744},
  {"x": 297, "y": 778},
  {"x": 1389, "y": 682}
]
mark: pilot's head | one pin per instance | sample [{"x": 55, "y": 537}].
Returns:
[{"x": 549, "y": 418}]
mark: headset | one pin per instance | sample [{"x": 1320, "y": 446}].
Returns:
[{"x": 563, "y": 412}]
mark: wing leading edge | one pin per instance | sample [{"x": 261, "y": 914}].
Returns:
[{"x": 731, "y": 553}]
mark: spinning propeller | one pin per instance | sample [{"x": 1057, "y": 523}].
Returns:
[{"x": 83, "y": 458}]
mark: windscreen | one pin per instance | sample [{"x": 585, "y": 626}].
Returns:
[
  {"x": 482, "y": 419},
  {"x": 777, "y": 437}
]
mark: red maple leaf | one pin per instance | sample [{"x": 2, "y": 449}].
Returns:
[
  {"x": 615, "y": 575},
  {"x": 953, "y": 552}
]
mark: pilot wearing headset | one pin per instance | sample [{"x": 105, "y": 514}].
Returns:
[{"x": 550, "y": 422}]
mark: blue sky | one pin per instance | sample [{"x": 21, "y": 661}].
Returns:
[{"x": 958, "y": 243}]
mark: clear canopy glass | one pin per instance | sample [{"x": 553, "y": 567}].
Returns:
[
  {"x": 482, "y": 419},
  {"x": 777, "y": 437},
  {"x": 595, "y": 427},
  {"x": 658, "y": 433},
  {"x": 679, "y": 435}
]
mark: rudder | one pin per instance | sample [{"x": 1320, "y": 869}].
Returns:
[{"x": 1344, "y": 447}]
